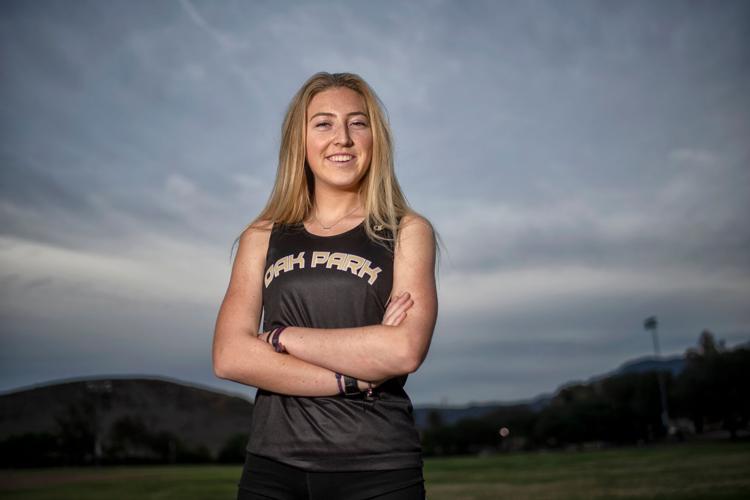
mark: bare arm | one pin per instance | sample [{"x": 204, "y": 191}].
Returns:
[
  {"x": 382, "y": 351},
  {"x": 238, "y": 354}
]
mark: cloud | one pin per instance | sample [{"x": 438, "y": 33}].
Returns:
[
  {"x": 65, "y": 282},
  {"x": 585, "y": 167}
]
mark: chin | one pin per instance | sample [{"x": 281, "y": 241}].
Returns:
[{"x": 346, "y": 183}]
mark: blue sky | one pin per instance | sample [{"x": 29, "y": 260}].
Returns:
[{"x": 585, "y": 163}]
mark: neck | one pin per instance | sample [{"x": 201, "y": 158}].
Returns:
[{"x": 330, "y": 205}]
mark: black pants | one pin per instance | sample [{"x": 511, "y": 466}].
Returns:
[{"x": 263, "y": 478}]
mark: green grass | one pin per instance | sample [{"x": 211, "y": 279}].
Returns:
[
  {"x": 697, "y": 470},
  {"x": 184, "y": 482},
  {"x": 720, "y": 470}
]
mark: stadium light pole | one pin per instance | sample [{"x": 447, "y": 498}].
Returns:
[{"x": 652, "y": 324}]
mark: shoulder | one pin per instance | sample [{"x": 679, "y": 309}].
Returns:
[
  {"x": 414, "y": 259},
  {"x": 254, "y": 239},
  {"x": 416, "y": 226},
  {"x": 257, "y": 230},
  {"x": 415, "y": 233}
]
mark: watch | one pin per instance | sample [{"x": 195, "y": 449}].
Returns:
[{"x": 350, "y": 386}]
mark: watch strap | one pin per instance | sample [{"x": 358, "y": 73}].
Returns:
[{"x": 350, "y": 386}]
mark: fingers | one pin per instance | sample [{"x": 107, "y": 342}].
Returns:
[
  {"x": 363, "y": 384},
  {"x": 391, "y": 312},
  {"x": 394, "y": 319},
  {"x": 396, "y": 310},
  {"x": 394, "y": 298},
  {"x": 403, "y": 303},
  {"x": 399, "y": 299}
]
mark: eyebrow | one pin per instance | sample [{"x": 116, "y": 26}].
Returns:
[{"x": 323, "y": 113}]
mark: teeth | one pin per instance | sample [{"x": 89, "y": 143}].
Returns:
[{"x": 340, "y": 157}]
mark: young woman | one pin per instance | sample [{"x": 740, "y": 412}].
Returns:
[{"x": 343, "y": 272}]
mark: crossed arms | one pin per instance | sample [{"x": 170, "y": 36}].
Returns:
[{"x": 372, "y": 353}]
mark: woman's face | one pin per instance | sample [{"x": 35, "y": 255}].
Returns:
[{"x": 338, "y": 139}]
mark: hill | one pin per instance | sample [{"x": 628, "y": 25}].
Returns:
[
  {"x": 451, "y": 415},
  {"x": 197, "y": 418}
]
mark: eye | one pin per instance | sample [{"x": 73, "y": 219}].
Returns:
[
  {"x": 322, "y": 124},
  {"x": 359, "y": 124}
]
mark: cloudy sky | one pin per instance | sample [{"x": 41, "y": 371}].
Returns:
[{"x": 585, "y": 163}]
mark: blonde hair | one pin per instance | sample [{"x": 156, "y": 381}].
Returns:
[{"x": 291, "y": 199}]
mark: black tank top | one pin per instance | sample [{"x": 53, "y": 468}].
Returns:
[{"x": 336, "y": 281}]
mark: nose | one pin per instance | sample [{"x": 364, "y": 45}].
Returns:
[{"x": 343, "y": 137}]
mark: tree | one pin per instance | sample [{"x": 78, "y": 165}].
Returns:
[
  {"x": 713, "y": 387},
  {"x": 233, "y": 450},
  {"x": 76, "y": 432}
]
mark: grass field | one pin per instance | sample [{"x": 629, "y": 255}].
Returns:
[{"x": 698, "y": 470}]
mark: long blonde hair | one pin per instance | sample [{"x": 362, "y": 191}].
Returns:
[{"x": 291, "y": 199}]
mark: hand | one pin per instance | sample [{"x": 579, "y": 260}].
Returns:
[
  {"x": 395, "y": 312},
  {"x": 362, "y": 385}
]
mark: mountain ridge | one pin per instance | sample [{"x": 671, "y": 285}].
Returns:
[{"x": 160, "y": 402}]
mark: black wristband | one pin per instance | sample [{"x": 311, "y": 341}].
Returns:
[{"x": 350, "y": 386}]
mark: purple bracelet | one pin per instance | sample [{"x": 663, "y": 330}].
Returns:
[
  {"x": 277, "y": 345},
  {"x": 341, "y": 386}
]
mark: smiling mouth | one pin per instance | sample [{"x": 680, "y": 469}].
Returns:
[{"x": 341, "y": 158}]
